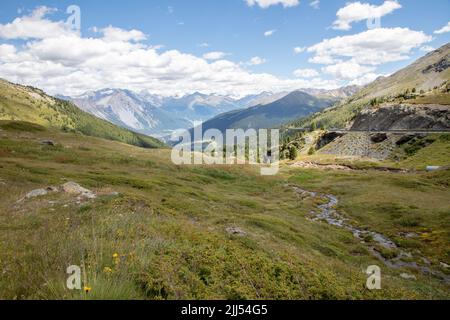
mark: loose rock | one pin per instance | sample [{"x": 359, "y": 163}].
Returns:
[
  {"x": 408, "y": 276},
  {"x": 236, "y": 231},
  {"x": 48, "y": 143},
  {"x": 312, "y": 165}
]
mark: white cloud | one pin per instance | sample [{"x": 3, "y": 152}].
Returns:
[
  {"x": 306, "y": 73},
  {"x": 347, "y": 70},
  {"x": 357, "y": 11},
  {"x": 255, "y": 61},
  {"x": 444, "y": 29},
  {"x": 353, "y": 59},
  {"x": 67, "y": 63},
  {"x": 427, "y": 48},
  {"x": 214, "y": 55},
  {"x": 267, "y": 3},
  {"x": 372, "y": 47},
  {"x": 116, "y": 34},
  {"x": 203, "y": 45},
  {"x": 298, "y": 50},
  {"x": 7, "y": 49},
  {"x": 366, "y": 79},
  {"x": 33, "y": 26},
  {"x": 269, "y": 33},
  {"x": 315, "y": 4},
  {"x": 323, "y": 60}
]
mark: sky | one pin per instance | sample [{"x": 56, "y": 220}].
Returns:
[{"x": 232, "y": 47}]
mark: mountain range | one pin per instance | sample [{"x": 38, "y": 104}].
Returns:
[{"x": 158, "y": 116}]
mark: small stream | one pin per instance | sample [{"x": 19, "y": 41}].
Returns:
[{"x": 327, "y": 212}]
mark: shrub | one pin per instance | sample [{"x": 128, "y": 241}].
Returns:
[
  {"x": 293, "y": 153},
  {"x": 409, "y": 222}
]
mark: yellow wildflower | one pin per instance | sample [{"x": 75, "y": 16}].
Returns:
[
  {"x": 115, "y": 255},
  {"x": 107, "y": 270},
  {"x": 87, "y": 289}
]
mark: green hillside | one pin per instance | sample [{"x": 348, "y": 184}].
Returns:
[
  {"x": 425, "y": 81},
  {"x": 27, "y": 104},
  {"x": 161, "y": 231}
]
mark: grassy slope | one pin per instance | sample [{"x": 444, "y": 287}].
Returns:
[
  {"x": 32, "y": 105},
  {"x": 433, "y": 98},
  {"x": 407, "y": 78},
  {"x": 168, "y": 226},
  {"x": 436, "y": 154}
]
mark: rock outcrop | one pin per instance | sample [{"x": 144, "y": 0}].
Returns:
[
  {"x": 377, "y": 133},
  {"x": 403, "y": 117}
]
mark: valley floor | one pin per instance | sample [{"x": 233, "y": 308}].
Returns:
[{"x": 160, "y": 231}]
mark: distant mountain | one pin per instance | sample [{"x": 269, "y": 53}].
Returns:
[
  {"x": 199, "y": 107},
  {"x": 142, "y": 113},
  {"x": 340, "y": 93},
  {"x": 428, "y": 77},
  {"x": 28, "y": 104},
  {"x": 261, "y": 99},
  {"x": 293, "y": 105},
  {"x": 269, "y": 97}
]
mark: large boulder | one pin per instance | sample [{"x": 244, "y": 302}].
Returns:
[{"x": 75, "y": 189}]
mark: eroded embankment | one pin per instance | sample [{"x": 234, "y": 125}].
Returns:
[{"x": 345, "y": 167}]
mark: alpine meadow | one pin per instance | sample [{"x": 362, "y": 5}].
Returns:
[{"x": 136, "y": 140}]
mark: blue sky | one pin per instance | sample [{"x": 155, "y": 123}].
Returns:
[{"x": 236, "y": 29}]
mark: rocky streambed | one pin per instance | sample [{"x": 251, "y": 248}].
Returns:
[{"x": 328, "y": 213}]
